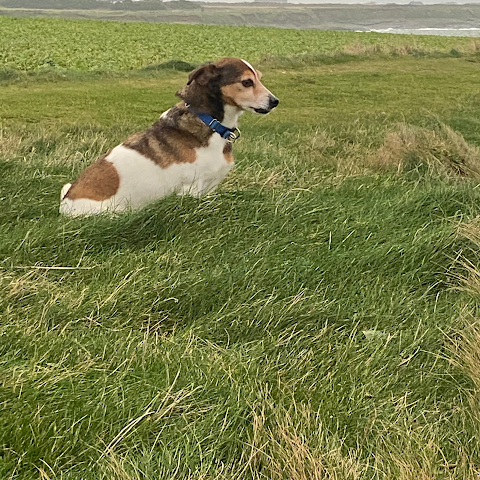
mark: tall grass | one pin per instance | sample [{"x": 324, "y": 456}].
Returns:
[{"x": 299, "y": 323}]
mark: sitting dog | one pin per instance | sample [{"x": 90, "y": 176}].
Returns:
[{"x": 188, "y": 150}]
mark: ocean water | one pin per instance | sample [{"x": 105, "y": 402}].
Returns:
[{"x": 444, "y": 32}]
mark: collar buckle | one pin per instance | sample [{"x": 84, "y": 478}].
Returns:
[{"x": 233, "y": 135}]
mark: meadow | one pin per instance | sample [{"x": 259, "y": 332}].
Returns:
[{"x": 314, "y": 318}]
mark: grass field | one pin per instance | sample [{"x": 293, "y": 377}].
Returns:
[
  {"x": 85, "y": 45},
  {"x": 315, "y": 318}
]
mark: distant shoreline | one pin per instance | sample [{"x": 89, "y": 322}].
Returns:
[
  {"x": 455, "y": 20},
  {"x": 444, "y": 32}
]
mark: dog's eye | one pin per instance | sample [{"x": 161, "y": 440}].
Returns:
[{"x": 248, "y": 83}]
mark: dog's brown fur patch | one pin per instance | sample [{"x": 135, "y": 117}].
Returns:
[
  {"x": 172, "y": 139},
  {"x": 227, "y": 152},
  {"x": 99, "y": 181},
  {"x": 228, "y": 93}
]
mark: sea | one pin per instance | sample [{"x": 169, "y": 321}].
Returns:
[{"x": 444, "y": 32}]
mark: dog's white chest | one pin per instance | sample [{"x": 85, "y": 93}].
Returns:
[{"x": 211, "y": 165}]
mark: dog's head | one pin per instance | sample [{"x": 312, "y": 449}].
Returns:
[{"x": 230, "y": 81}]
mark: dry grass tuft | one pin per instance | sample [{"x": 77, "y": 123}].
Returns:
[
  {"x": 117, "y": 468},
  {"x": 475, "y": 45},
  {"x": 9, "y": 144},
  {"x": 357, "y": 48},
  {"x": 282, "y": 446},
  {"x": 471, "y": 230},
  {"x": 465, "y": 353},
  {"x": 464, "y": 344},
  {"x": 441, "y": 151},
  {"x": 469, "y": 279},
  {"x": 465, "y": 349},
  {"x": 52, "y": 146}
]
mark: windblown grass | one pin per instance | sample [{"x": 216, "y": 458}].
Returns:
[{"x": 299, "y": 323}]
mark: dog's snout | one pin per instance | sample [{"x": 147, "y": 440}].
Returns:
[
  {"x": 273, "y": 102},
  {"x": 267, "y": 107}
]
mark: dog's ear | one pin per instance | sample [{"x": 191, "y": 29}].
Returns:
[
  {"x": 203, "y": 74},
  {"x": 203, "y": 91}
]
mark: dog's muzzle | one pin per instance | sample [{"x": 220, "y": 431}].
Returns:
[{"x": 272, "y": 103}]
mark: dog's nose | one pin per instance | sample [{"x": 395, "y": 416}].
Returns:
[{"x": 273, "y": 102}]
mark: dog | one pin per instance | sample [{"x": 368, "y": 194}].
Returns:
[{"x": 188, "y": 150}]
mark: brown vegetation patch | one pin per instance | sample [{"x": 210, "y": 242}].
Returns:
[{"x": 441, "y": 151}]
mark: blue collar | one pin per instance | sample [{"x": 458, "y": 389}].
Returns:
[{"x": 229, "y": 134}]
